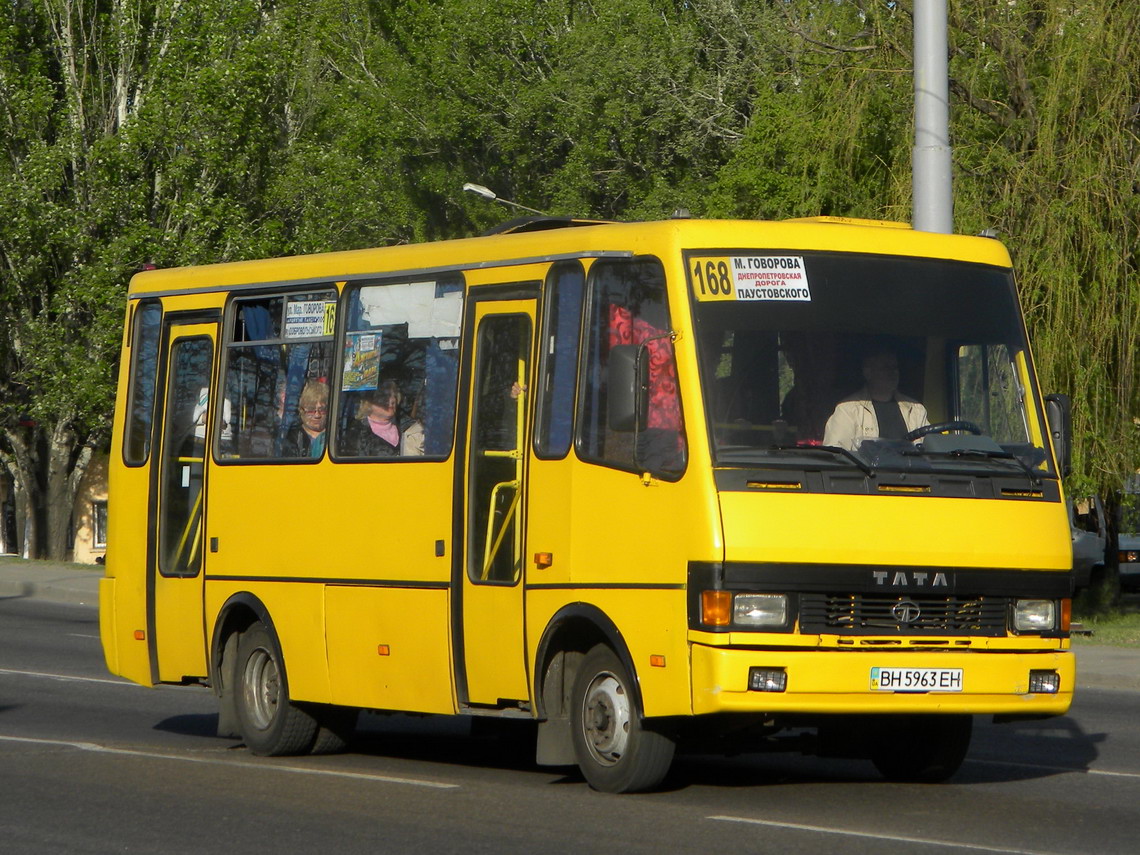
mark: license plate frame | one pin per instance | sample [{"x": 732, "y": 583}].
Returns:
[{"x": 916, "y": 680}]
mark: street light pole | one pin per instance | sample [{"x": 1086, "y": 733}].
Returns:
[
  {"x": 931, "y": 185},
  {"x": 491, "y": 196}
]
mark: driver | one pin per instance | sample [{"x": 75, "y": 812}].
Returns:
[{"x": 878, "y": 410}]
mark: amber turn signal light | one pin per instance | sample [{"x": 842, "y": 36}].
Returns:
[{"x": 716, "y": 608}]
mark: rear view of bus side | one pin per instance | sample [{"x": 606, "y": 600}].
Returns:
[{"x": 637, "y": 482}]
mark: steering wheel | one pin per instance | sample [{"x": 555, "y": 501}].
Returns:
[{"x": 926, "y": 430}]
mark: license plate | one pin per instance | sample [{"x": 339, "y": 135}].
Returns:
[{"x": 916, "y": 679}]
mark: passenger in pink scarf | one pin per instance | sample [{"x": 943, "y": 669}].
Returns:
[{"x": 379, "y": 430}]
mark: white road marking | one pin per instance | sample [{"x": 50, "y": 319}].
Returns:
[
  {"x": 82, "y": 635},
  {"x": 895, "y": 838},
  {"x": 1103, "y": 772},
  {"x": 216, "y": 761},
  {"x": 48, "y": 676}
]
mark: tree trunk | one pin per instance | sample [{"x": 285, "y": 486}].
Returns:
[
  {"x": 22, "y": 465},
  {"x": 65, "y": 468},
  {"x": 46, "y": 485}
]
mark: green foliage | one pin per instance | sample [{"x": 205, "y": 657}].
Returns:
[
  {"x": 167, "y": 132},
  {"x": 1051, "y": 159}
]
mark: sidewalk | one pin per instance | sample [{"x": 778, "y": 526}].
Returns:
[
  {"x": 77, "y": 584},
  {"x": 1098, "y": 666}
]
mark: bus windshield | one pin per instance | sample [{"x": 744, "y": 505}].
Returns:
[{"x": 864, "y": 361}]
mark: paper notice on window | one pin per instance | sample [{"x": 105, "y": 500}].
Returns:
[
  {"x": 780, "y": 278},
  {"x": 307, "y": 318}
]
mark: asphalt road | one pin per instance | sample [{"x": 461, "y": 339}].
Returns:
[{"x": 89, "y": 763}]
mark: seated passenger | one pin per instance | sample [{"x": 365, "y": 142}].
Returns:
[
  {"x": 308, "y": 439},
  {"x": 878, "y": 410},
  {"x": 378, "y": 430}
]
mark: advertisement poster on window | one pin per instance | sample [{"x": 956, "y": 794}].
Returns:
[{"x": 361, "y": 361}]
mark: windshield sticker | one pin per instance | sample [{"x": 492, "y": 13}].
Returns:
[{"x": 780, "y": 278}]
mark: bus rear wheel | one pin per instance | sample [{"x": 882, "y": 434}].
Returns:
[
  {"x": 271, "y": 725},
  {"x": 336, "y": 726},
  {"x": 921, "y": 749},
  {"x": 615, "y": 752}
]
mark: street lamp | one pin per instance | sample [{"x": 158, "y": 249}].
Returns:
[{"x": 491, "y": 196}]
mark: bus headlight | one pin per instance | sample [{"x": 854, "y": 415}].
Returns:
[
  {"x": 760, "y": 610},
  {"x": 1034, "y": 615}
]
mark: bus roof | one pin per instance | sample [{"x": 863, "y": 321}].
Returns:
[{"x": 836, "y": 234}]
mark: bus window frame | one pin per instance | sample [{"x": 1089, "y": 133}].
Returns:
[
  {"x": 136, "y": 328},
  {"x": 589, "y": 305},
  {"x": 226, "y": 345},
  {"x": 446, "y": 275},
  {"x": 545, "y": 360},
  {"x": 1033, "y": 405}
]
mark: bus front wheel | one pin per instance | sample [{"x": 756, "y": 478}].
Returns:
[
  {"x": 920, "y": 749},
  {"x": 270, "y": 723},
  {"x": 615, "y": 752}
]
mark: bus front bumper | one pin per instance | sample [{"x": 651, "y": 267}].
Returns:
[{"x": 851, "y": 681}]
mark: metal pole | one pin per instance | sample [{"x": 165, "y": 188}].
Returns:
[{"x": 931, "y": 181}]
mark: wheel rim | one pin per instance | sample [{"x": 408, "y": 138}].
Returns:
[
  {"x": 262, "y": 688},
  {"x": 606, "y": 719}
]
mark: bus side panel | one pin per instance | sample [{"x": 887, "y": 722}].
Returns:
[
  {"x": 388, "y": 648},
  {"x": 122, "y": 592},
  {"x": 107, "y": 624},
  {"x": 304, "y": 526},
  {"x": 650, "y": 622},
  {"x": 332, "y": 522},
  {"x": 124, "y": 628},
  {"x": 297, "y": 613},
  {"x": 632, "y": 543}
]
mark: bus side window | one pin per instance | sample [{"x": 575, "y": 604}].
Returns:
[
  {"x": 274, "y": 345},
  {"x": 628, "y": 306},
  {"x": 559, "y": 367},
  {"x": 144, "y": 365},
  {"x": 399, "y": 369}
]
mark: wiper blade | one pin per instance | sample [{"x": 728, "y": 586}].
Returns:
[
  {"x": 1033, "y": 477},
  {"x": 830, "y": 449}
]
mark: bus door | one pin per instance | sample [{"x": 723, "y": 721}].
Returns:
[
  {"x": 494, "y": 655},
  {"x": 177, "y": 506}
]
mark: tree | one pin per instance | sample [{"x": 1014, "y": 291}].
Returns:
[
  {"x": 133, "y": 132},
  {"x": 169, "y": 132}
]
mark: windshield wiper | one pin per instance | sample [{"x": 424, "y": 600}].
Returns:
[
  {"x": 1033, "y": 477},
  {"x": 830, "y": 449}
]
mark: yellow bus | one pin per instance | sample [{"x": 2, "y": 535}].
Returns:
[{"x": 638, "y": 483}]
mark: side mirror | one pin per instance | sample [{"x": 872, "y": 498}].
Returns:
[
  {"x": 1058, "y": 414},
  {"x": 627, "y": 388}
]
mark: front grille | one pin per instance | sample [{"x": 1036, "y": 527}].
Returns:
[{"x": 873, "y": 614}]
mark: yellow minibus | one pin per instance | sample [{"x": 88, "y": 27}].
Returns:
[{"x": 639, "y": 483}]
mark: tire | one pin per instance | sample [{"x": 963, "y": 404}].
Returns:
[
  {"x": 270, "y": 723},
  {"x": 921, "y": 749},
  {"x": 336, "y": 726},
  {"x": 615, "y": 751}
]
